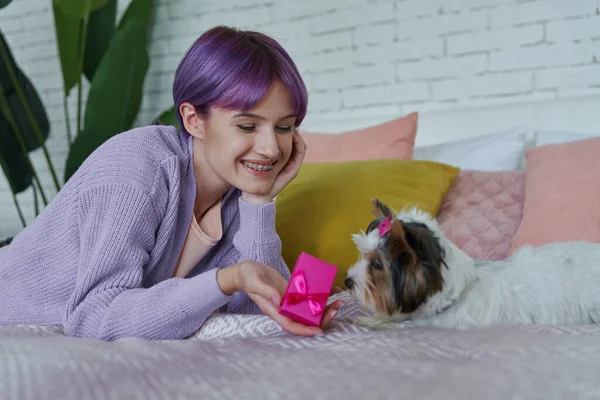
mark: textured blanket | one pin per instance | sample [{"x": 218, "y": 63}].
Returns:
[{"x": 249, "y": 357}]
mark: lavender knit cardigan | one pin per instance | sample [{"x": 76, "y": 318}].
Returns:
[{"x": 99, "y": 259}]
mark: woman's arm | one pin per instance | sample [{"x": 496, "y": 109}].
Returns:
[
  {"x": 117, "y": 225},
  {"x": 256, "y": 239}
]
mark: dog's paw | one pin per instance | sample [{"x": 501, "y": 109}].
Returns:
[{"x": 379, "y": 324}]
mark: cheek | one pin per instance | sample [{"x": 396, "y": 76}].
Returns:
[
  {"x": 226, "y": 146},
  {"x": 381, "y": 291}
]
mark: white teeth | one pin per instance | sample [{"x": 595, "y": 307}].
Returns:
[{"x": 258, "y": 167}]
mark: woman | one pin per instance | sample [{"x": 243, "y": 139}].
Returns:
[{"x": 159, "y": 228}]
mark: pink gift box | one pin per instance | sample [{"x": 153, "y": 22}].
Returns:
[{"x": 308, "y": 290}]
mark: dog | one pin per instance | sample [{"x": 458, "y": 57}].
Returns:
[{"x": 409, "y": 271}]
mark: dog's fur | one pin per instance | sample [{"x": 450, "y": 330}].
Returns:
[{"x": 415, "y": 273}]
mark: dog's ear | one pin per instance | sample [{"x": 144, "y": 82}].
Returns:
[
  {"x": 380, "y": 210},
  {"x": 421, "y": 275}
]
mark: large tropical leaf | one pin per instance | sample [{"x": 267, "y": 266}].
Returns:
[
  {"x": 85, "y": 143},
  {"x": 138, "y": 9},
  {"x": 80, "y": 8},
  {"x": 100, "y": 32},
  {"x": 115, "y": 93},
  {"x": 68, "y": 31},
  {"x": 4, "y": 3},
  {"x": 13, "y": 161},
  {"x": 17, "y": 109},
  {"x": 168, "y": 117}
]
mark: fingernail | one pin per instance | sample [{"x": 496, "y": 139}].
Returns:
[
  {"x": 275, "y": 301},
  {"x": 333, "y": 314}
]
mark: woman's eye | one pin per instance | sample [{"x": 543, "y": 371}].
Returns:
[
  {"x": 246, "y": 128},
  {"x": 284, "y": 128}
]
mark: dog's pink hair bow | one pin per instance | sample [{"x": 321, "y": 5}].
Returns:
[
  {"x": 314, "y": 299},
  {"x": 385, "y": 226}
]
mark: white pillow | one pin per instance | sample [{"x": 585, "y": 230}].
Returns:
[
  {"x": 543, "y": 138},
  {"x": 496, "y": 151}
]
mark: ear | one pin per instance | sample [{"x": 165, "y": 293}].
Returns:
[
  {"x": 193, "y": 123},
  {"x": 366, "y": 243},
  {"x": 380, "y": 210}
]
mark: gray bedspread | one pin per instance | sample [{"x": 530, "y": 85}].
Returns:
[{"x": 249, "y": 357}]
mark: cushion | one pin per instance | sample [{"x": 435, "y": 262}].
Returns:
[
  {"x": 328, "y": 202},
  {"x": 561, "y": 194},
  {"x": 390, "y": 140},
  {"x": 482, "y": 211},
  {"x": 496, "y": 151},
  {"x": 543, "y": 138}
]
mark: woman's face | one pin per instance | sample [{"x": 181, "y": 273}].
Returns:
[{"x": 249, "y": 149}]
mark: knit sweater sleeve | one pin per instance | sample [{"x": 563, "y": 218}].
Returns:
[
  {"x": 256, "y": 239},
  {"x": 117, "y": 225}
]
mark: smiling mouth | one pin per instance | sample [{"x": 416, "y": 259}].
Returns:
[{"x": 258, "y": 167}]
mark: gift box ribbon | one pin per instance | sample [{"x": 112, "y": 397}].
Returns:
[{"x": 303, "y": 294}]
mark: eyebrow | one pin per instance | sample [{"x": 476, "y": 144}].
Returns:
[{"x": 250, "y": 115}]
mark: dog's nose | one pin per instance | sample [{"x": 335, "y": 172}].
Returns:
[{"x": 349, "y": 282}]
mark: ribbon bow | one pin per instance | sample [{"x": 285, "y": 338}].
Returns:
[
  {"x": 384, "y": 226},
  {"x": 302, "y": 294}
]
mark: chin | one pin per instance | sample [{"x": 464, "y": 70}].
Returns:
[
  {"x": 259, "y": 186},
  {"x": 409, "y": 270}
]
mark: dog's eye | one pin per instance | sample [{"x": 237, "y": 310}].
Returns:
[{"x": 376, "y": 264}]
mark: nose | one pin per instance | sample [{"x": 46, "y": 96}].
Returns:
[
  {"x": 267, "y": 145},
  {"x": 349, "y": 282}
]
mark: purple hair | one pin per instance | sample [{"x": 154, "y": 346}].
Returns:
[{"x": 234, "y": 69}]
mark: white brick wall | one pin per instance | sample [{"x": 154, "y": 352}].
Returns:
[{"x": 356, "y": 55}]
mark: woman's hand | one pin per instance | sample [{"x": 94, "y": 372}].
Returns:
[
  {"x": 286, "y": 175},
  {"x": 266, "y": 287}
]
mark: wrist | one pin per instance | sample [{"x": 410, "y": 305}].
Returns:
[
  {"x": 256, "y": 199},
  {"x": 227, "y": 279}
]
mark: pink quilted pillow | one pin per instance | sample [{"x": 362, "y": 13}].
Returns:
[
  {"x": 563, "y": 194},
  {"x": 394, "y": 139},
  {"x": 482, "y": 210}
]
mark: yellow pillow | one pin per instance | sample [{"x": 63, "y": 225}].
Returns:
[{"x": 327, "y": 202}]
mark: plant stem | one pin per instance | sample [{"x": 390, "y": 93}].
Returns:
[
  {"x": 67, "y": 120},
  {"x": 36, "y": 206},
  {"x": 29, "y": 113},
  {"x": 18, "y": 207},
  {"x": 14, "y": 196},
  {"x": 8, "y": 115},
  {"x": 81, "y": 58}
]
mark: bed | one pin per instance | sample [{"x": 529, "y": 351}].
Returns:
[{"x": 249, "y": 357}]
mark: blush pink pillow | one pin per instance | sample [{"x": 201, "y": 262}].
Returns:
[
  {"x": 562, "y": 194},
  {"x": 482, "y": 210},
  {"x": 391, "y": 140}
]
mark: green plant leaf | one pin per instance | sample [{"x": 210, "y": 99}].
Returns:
[
  {"x": 17, "y": 109},
  {"x": 20, "y": 115},
  {"x": 78, "y": 8},
  {"x": 4, "y": 3},
  {"x": 13, "y": 160},
  {"x": 101, "y": 29},
  {"x": 167, "y": 118},
  {"x": 140, "y": 10},
  {"x": 115, "y": 93},
  {"x": 68, "y": 31},
  {"x": 85, "y": 143}
]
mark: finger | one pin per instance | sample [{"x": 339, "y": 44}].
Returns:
[
  {"x": 336, "y": 290},
  {"x": 286, "y": 323},
  {"x": 330, "y": 313},
  {"x": 260, "y": 288},
  {"x": 276, "y": 280},
  {"x": 299, "y": 143}
]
